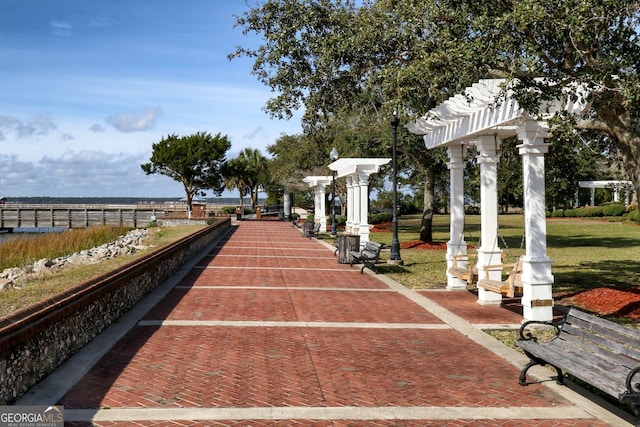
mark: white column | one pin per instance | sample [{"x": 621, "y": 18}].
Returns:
[
  {"x": 355, "y": 228},
  {"x": 537, "y": 299},
  {"x": 363, "y": 230},
  {"x": 593, "y": 196},
  {"x": 287, "y": 205},
  {"x": 489, "y": 251},
  {"x": 616, "y": 193},
  {"x": 320, "y": 212},
  {"x": 456, "y": 244},
  {"x": 349, "y": 226}
]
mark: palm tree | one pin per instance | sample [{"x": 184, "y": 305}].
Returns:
[
  {"x": 256, "y": 173},
  {"x": 235, "y": 178}
]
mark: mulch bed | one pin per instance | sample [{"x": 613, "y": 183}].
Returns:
[
  {"x": 386, "y": 227},
  {"x": 609, "y": 302}
]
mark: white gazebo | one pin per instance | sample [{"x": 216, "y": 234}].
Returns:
[
  {"x": 357, "y": 172},
  {"x": 318, "y": 185},
  {"x": 484, "y": 115},
  {"x": 616, "y": 186}
]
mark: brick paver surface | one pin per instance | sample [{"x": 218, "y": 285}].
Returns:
[{"x": 266, "y": 288}]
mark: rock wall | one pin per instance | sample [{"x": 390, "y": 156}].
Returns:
[{"x": 34, "y": 341}]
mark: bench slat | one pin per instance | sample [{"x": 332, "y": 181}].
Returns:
[
  {"x": 600, "y": 352},
  {"x": 594, "y": 369}
]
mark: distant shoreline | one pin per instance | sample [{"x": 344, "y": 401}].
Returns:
[{"x": 218, "y": 201}]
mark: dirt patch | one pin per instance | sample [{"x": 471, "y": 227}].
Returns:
[{"x": 609, "y": 302}]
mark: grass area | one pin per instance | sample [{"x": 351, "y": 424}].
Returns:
[
  {"x": 585, "y": 253},
  {"x": 24, "y": 251},
  {"x": 45, "y": 286}
]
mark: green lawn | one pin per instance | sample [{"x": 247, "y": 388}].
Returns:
[{"x": 585, "y": 253}]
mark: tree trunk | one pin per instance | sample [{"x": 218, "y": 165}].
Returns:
[
  {"x": 426, "y": 226},
  {"x": 628, "y": 141}
]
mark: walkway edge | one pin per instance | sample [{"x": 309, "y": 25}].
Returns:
[
  {"x": 52, "y": 388},
  {"x": 578, "y": 396}
]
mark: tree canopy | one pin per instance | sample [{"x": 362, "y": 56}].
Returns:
[
  {"x": 348, "y": 58},
  {"x": 195, "y": 161}
]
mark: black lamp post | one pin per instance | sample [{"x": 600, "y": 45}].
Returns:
[
  {"x": 333, "y": 155},
  {"x": 394, "y": 256}
]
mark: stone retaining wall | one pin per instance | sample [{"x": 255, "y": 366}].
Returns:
[{"x": 37, "y": 339}]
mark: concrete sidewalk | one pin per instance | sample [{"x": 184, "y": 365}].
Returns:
[{"x": 267, "y": 329}]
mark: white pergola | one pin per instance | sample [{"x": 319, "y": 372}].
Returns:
[
  {"x": 318, "y": 185},
  {"x": 357, "y": 172},
  {"x": 616, "y": 186},
  {"x": 482, "y": 116}
]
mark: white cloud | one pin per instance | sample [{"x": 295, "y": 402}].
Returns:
[
  {"x": 88, "y": 173},
  {"x": 36, "y": 126},
  {"x": 97, "y": 127},
  {"x": 60, "y": 28},
  {"x": 134, "y": 122}
]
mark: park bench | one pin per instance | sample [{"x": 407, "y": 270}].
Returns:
[
  {"x": 313, "y": 231},
  {"x": 368, "y": 256},
  {"x": 507, "y": 287},
  {"x": 468, "y": 272},
  {"x": 597, "y": 351}
]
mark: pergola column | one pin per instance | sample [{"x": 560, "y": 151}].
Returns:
[
  {"x": 537, "y": 298},
  {"x": 318, "y": 185},
  {"x": 489, "y": 251},
  {"x": 320, "y": 216},
  {"x": 287, "y": 205},
  {"x": 355, "y": 202},
  {"x": 349, "y": 225},
  {"x": 456, "y": 244},
  {"x": 363, "y": 230},
  {"x": 357, "y": 171}
]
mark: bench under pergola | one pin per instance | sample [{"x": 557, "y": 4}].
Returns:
[{"x": 483, "y": 116}]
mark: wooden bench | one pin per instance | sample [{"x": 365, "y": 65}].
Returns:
[
  {"x": 313, "y": 231},
  {"x": 508, "y": 286},
  {"x": 368, "y": 256},
  {"x": 599, "y": 352},
  {"x": 468, "y": 272}
]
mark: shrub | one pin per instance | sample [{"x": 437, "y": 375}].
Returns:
[
  {"x": 558, "y": 213},
  {"x": 614, "y": 209},
  {"x": 340, "y": 220},
  {"x": 472, "y": 210},
  {"x": 570, "y": 213},
  {"x": 380, "y": 218},
  {"x": 590, "y": 212},
  {"x": 229, "y": 210}
]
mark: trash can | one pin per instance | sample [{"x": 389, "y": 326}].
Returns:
[
  {"x": 307, "y": 228},
  {"x": 346, "y": 244}
]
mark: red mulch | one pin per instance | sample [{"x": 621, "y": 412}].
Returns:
[
  {"x": 419, "y": 244},
  {"x": 386, "y": 227},
  {"x": 610, "y": 301}
]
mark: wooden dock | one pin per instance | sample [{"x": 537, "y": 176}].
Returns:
[{"x": 77, "y": 216}]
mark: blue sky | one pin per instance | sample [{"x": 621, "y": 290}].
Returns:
[{"x": 86, "y": 87}]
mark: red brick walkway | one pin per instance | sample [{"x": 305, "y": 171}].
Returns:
[{"x": 269, "y": 330}]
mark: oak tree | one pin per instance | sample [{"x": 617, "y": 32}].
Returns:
[{"x": 194, "y": 160}]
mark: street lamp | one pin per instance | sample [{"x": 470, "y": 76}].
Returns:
[
  {"x": 394, "y": 256},
  {"x": 333, "y": 155}
]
